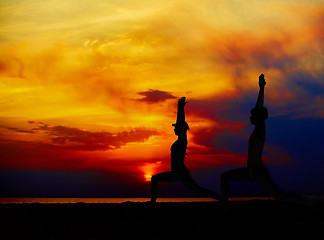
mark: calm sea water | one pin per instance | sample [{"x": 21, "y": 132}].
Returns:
[{"x": 116, "y": 200}]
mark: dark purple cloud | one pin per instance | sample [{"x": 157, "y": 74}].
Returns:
[
  {"x": 154, "y": 96},
  {"x": 92, "y": 141},
  {"x": 77, "y": 139},
  {"x": 19, "y": 130},
  {"x": 312, "y": 84},
  {"x": 285, "y": 140}
]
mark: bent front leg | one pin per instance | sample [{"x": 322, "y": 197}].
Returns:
[{"x": 169, "y": 176}]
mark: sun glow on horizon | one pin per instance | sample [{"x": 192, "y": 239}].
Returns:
[{"x": 149, "y": 169}]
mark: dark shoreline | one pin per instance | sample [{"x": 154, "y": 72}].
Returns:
[{"x": 255, "y": 219}]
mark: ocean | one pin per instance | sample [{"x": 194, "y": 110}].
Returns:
[{"x": 20, "y": 200}]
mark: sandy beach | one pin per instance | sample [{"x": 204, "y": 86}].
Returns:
[{"x": 200, "y": 220}]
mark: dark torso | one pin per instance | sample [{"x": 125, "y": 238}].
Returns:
[
  {"x": 178, "y": 153},
  {"x": 256, "y": 143}
]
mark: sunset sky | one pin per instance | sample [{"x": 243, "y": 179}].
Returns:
[{"x": 89, "y": 89}]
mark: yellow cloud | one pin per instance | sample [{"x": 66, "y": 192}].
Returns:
[{"x": 84, "y": 64}]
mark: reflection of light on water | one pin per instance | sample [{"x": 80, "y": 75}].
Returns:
[
  {"x": 4, "y": 200},
  {"x": 149, "y": 169}
]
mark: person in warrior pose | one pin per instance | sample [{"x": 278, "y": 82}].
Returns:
[
  {"x": 179, "y": 172},
  {"x": 255, "y": 169}
]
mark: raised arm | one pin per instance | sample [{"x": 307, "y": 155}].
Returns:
[
  {"x": 181, "y": 113},
  {"x": 262, "y": 111},
  {"x": 260, "y": 100}
]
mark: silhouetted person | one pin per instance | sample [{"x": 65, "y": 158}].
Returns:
[
  {"x": 179, "y": 172},
  {"x": 255, "y": 169}
]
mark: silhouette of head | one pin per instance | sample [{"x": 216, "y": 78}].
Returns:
[
  {"x": 258, "y": 115},
  {"x": 180, "y": 128}
]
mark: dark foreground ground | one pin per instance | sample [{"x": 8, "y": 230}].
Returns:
[{"x": 238, "y": 220}]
